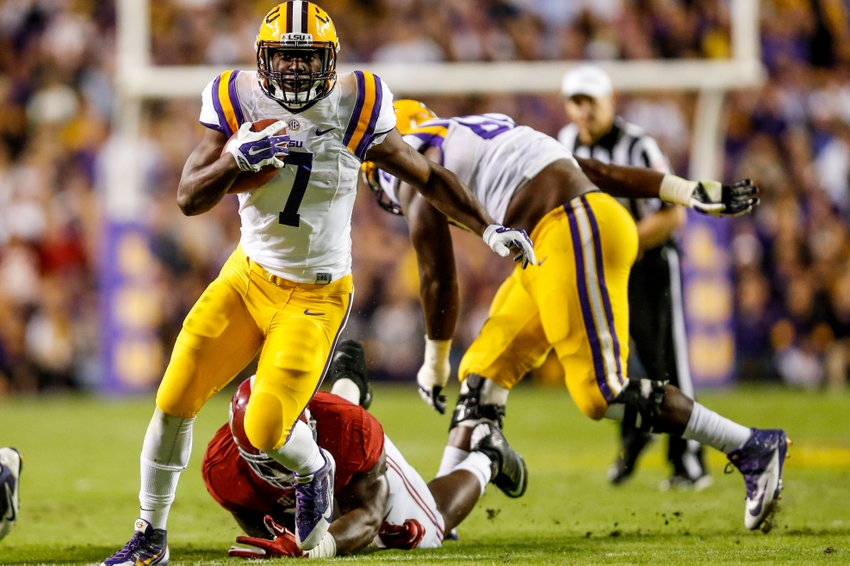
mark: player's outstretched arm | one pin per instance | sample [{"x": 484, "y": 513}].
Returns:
[
  {"x": 438, "y": 290},
  {"x": 209, "y": 171},
  {"x": 708, "y": 197},
  {"x": 445, "y": 191}
]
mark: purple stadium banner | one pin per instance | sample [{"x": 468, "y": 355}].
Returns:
[
  {"x": 709, "y": 299},
  {"x": 130, "y": 311}
]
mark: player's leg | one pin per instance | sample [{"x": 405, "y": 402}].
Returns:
[
  {"x": 11, "y": 464},
  {"x": 646, "y": 332},
  {"x": 686, "y": 456},
  {"x": 510, "y": 344},
  {"x": 491, "y": 460},
  {"x": 413, "y": 518},
  {"x": 294, "y": 361},
  {"x": 593, "y": 364},
  {"x": 217, "y": 340}
]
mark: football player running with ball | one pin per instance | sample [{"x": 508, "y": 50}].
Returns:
[
  {"x": 574, "y": 300},
  {"x": 382, "y": 501},
  {"x": 285, "y": 292}
]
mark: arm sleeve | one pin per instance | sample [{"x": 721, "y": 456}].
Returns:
[
  {"x": 209, "y": 117},
  {"x": 221, "y": 108},
  {"x": 373, "y": 116}
]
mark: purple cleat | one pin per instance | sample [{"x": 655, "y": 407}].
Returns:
[
  {"x": 314, "y": 504},
  {"x": 761, "y": 459},
  {"x": 148, "y": 546}
]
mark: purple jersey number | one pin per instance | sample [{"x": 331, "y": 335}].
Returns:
[{"x": 487, "y": 126}]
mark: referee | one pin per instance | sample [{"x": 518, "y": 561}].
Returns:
[{"x": 656, "y": 322}]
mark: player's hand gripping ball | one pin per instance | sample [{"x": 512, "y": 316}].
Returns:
[{"x": 259, "y": 149}]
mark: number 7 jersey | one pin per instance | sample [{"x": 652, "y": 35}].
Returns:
[{"x": 298, "y": 226}]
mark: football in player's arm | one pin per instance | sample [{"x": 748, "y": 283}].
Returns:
[
  {"x": 285, "y": 292},
  {"x": 382, "y": 501}
]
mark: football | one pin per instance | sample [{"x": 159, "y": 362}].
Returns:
[{"x": 249, "y": 180}]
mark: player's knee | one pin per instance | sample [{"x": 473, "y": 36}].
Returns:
[{"x": 264, "y": 421}]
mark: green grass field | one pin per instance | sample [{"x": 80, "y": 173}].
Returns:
[{"x": 81, "y": 479}]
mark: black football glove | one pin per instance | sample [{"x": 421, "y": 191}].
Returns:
[{"x": 736, "y": 199}]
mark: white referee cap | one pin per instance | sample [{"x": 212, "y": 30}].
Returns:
[{"x": 588, "y": 80}]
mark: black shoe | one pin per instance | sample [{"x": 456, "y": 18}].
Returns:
[
  {"x": 349, "y": 362},
  {"x": 624, "y": 466},
  {"x": 509, "y": 472}
]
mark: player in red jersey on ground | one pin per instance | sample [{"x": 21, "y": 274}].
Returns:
[{"x": 381, "y": 501}]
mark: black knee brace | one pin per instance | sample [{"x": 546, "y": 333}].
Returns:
[
  {"x": 469, "y": 405},
  {"x": 642, "y": 397}
]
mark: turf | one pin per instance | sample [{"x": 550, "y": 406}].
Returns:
[{"x": 80, "y": 484}]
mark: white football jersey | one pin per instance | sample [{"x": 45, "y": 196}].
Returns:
[
  {"x": 298, "y": 226},
  {"x": 490, "y": 153}
]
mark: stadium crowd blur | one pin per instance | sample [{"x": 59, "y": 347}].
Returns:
[{"x": 57, "y": 58}]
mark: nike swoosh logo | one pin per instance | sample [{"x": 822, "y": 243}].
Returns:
[
  {"x": 539, "y": 263},
  {"x": 252, "y": 152},
  {"x": 754, "y": 508},
  {"x": 323, "y": 132},
  {"x": 10, "y": 512},
  {"x": 308, "y": 313}
]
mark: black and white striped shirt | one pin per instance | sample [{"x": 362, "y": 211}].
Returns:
[{"x": 624, "y": 144}]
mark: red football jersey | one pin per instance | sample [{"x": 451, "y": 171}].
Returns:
[{"x": 353, "y": 437}]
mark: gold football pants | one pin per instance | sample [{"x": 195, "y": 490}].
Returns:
[
  {"x": 574, "y": 300},
  {"x": 245, "y": 310}
]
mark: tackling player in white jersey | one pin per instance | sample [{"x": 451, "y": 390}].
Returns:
[
  {"x": 574, "y": 301},
  {"x": 285, "y": 292}
]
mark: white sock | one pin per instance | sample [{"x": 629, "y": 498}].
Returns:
[
  {"x": 451, "y": 458},
  {"x": 346, "y": 389},
  {"x": 479, "y": 465},
  {"x": 707, "y": 427},
  {"x": 165, "y": 453},
  {"x": 300, "y": 453}
]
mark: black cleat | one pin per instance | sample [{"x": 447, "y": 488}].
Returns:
[
  {"x": 508, "y": 470},
  {"x": 349, "y": 362}
]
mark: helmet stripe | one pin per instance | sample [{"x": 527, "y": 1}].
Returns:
[
  {"x": 297, "y": 16},
  {"x": 289, "y": 17},
  {"x": 305, "y": 10}
]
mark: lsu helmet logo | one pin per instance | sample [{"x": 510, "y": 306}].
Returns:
[{"x": 297, "y": 28}]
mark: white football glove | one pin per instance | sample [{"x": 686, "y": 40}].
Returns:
[
  {"x": 711, "y": 197},
  {"x": 501, "y": 240},
  {"x": 434, "y": 373},
  {"x": 255, "y": 150}
]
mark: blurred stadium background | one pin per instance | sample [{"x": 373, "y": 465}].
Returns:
[{"x": 98, "y": 266}]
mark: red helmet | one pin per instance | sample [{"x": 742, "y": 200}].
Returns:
[{"x": 263, "y": 465}]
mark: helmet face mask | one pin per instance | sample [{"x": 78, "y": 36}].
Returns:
[
  {"x": 294, "y": 90},
  {"x": 297, "y": 28}
]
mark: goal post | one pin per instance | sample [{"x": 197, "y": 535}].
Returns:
[{"x": 137, "y": 80}]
